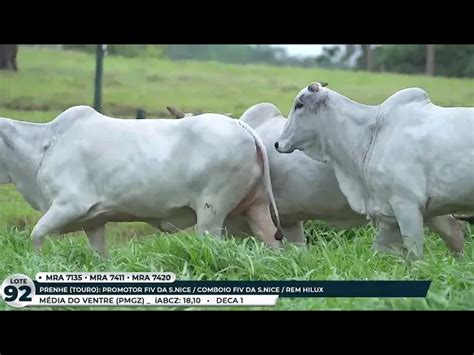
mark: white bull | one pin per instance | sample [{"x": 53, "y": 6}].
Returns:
[
  {"x": 85, "y": 169},
  {"x": 401, "y": 163},
  {"x": 306, "y": 189}
]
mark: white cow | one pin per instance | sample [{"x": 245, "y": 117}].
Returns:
[
  {"x": 306, "y": 189},
  {"x": 85, "y": 169},
  {"x": 400, "y": 163}
]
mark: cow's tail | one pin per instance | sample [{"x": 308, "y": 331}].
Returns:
[{"x": 266, "y": 177}]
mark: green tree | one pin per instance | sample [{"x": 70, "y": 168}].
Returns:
[{"x": 450, "y": 60}]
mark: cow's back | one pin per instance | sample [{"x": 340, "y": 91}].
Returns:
[
  {"x": 136, "y": 163},
  {"x": 428, "y": 148}
]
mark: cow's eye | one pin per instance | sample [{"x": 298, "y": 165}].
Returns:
[{"x": 298, "y": 105}]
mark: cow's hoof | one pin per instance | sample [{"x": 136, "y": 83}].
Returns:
[
  {"x": 37, "y": 244},
  {"x": 276, "y": 245},
  {"x": 459, "y": 256},
  {"x": 394, "y": 249},
  {"x": 300, "y": 245},
  {"x": 412, "y": 256},
  {"x": 104, "y": 254}
]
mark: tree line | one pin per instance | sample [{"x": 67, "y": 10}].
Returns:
[{"x": 440, "y": 60}]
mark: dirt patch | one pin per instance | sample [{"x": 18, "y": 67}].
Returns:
[
  {"x": 154, "y": 78},
  {"x": 25, "y": 103}
]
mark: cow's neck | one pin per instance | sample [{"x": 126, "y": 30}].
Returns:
[
  {"x": 352, "y": 131},
  {"x": 353, "y": 128},
  {"x": 21, "y": 150}
]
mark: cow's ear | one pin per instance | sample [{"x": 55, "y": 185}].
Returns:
[
  {"x": 323, "y": 84},
  {"x": 175, "y": 112}
]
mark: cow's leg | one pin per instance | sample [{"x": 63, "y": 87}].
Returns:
[
  {"x": 57, "y": 217},
  {"x": 96, "y": 238},
  {"x": 410, "y": 222},
  {"x": 236, "y": 226},
  {"x": 260, "y": 220},
  {"x": 295, "y": 233},
  {"x": 451, "y": 230},
  {"x": 179, "y": 223},
  {"x": 210, "y": 219},
  {"x": 388, "y": 239}
]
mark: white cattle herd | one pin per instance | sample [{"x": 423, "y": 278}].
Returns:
[{"x": 403, "y": 164}]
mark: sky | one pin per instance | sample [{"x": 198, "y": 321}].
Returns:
[{"x": 303, "y": 50}]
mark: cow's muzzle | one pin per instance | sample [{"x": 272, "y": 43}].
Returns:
[{"x": 281, "y": 150}]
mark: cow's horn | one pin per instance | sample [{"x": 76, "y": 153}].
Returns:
[
  {"x": 313, "y": 87},
  {"x": 175, "y": 112}
]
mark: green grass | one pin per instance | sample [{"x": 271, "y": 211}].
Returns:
[
  {"x": 50, "y": 81},
  {"x": 331, "y": 255}
]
